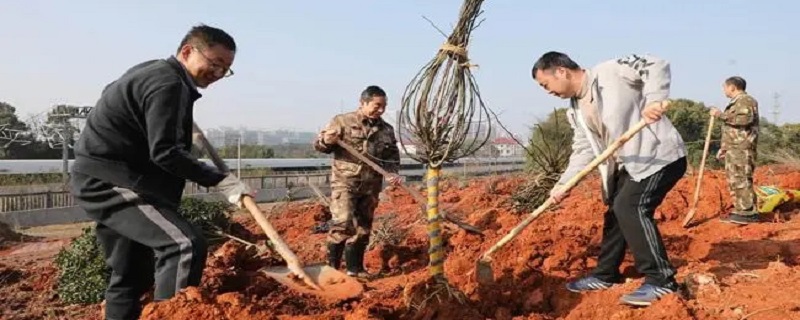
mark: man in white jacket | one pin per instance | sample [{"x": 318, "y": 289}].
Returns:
[{"x": 606, "y": 101}]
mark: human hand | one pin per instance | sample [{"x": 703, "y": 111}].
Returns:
[
  {"x": 394, "y": 179},
  {"x": 329, "y": 137},
  {"x": 653, "y": 112},
  {"x": 721, "y": 154},
  {"x": 558, "y": 194},
  {"x": 714, "y": 112},
  {"x": 234, "y": 189}
]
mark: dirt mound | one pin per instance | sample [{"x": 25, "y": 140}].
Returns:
[{"x": 7, "y": 236}]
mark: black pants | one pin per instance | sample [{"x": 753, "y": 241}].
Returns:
[
  {"x": 145, "y": 242},
  {"x": 629, "y": 223}
]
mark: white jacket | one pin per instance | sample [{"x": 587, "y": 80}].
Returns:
[{"x": 621, "y": 89}]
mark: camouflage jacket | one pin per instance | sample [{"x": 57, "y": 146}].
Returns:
[
  {"x": 373, "y": 138},
  {"x": 740, "y": 123}
]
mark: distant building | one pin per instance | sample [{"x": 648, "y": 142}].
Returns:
[
  {"x": 227, "y": 136},
  {"x": 410, "y": 147},
  {"x": 507, "y": 147}
]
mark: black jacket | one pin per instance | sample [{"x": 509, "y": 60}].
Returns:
[{"x": 139, "y": 135}]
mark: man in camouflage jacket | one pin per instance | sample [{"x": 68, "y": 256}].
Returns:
[
  {"x": 739, "y": 140},
  {"x": 354, "y": 185}
]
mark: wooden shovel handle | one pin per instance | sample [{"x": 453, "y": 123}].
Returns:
[
  {"x": 570, "y": 184},
  {"x": 209, "y": 149},
  {"x": 248, "y": 202},
  {"x": 414, "y": 193},
  {"x": 696, "y": 198},
  {"x": 703, "y": 162}
]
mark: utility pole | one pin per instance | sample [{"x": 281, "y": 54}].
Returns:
[
  {"x": 239, "y": 156},
  {"x": 776, "y": 108},
  {"x": 61, "y": 116},
  {"x": 62, "y": 128},
  {"x": 65, "y": 150}
]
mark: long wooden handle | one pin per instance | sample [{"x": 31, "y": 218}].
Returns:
[
  {"x": 696, "y": 198},
  {"x": 272, "y": 234},
  {"x": 277, "y": 242},
  {"x": 209, "y": 149},
  {"x": 703, "y": 161},
  {"x": 569, "y": 185},
  {"x": 414, "y": 193}
]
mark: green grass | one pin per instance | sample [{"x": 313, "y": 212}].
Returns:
[{"x": 30, "y": 179}]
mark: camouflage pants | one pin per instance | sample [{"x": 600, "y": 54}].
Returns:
[
  {"x": 739, "y": 167},
  {"x": 352, "y": 213}
]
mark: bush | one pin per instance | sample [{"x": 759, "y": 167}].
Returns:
[
  {"x": 548, "y": 154},
  {"x": 212, "y": 217},
  {"x": 82, "y": 271}
]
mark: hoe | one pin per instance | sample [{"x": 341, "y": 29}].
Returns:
[{"x": 484, "y": 271}]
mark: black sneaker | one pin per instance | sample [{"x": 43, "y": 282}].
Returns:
[{"x": 741, "y": 219}]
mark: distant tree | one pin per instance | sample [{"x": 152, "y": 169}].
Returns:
[
  {"x": 791, "y": 135},
  {"x": 13, "y": 131},
  {"x": 248, "y": 152},
  {"x": 296, "y": 150},
  {"x": 550, "y": 144},
  {"x": 691, "y": 119}
]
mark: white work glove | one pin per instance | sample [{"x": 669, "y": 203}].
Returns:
[{"x": 233, "y": 189}]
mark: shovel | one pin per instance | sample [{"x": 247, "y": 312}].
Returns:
[
  {"x": 414, "y": 193},
  {"x": 696, "y": 199},
  {"x": 318, "y": 279},
  {"x": 484, "y": 271}
]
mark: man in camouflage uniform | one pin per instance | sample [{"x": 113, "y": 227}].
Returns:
[
  {"x": 739, "y": 139},
  {"x": 354, "y": 185}
]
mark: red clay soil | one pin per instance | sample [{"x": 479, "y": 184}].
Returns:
[{"x": 729, "y": 272}]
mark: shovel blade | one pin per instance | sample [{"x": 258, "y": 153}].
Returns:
[
  {"x": 336, "y": 285},
  {"x": 688, "y": 219},
  {"x": 484, "y": 272}
]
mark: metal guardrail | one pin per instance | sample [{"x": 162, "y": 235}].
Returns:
[{"x": 63, "y": 199}]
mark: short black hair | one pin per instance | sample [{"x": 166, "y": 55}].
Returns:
[
  {"x": 371, "y": 92},
  {"x": 553, "y": 59},
  {"x": 206, "y": 36},
  {"x": 737, "y": 82}
]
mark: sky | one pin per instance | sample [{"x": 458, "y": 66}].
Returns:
[{"x": 301, "y": 62}]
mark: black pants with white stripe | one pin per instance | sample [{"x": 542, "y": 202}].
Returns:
[
  {"x": 145, "y": 242},
  {"x": 629, "y": 223}
]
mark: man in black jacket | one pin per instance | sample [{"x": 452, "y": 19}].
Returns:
[{"x": 132, "y": 162}]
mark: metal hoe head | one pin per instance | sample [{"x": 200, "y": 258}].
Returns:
[
  {"x": 483, "y": 271},
  {"x": 336, "y": 286}
]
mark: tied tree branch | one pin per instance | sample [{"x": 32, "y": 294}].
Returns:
[
  {"x": 444, "y": 116},
  {"x": 440, "y": 105}
]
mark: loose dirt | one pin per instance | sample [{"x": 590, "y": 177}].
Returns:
[
  {"x": 729, "y": 272},
  {"x": 8, "y": 237}
]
